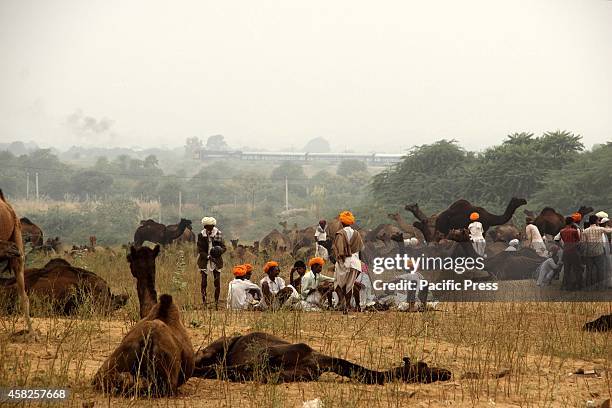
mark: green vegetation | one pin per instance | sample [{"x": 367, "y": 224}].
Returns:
[{"x": 108, "y": 197}]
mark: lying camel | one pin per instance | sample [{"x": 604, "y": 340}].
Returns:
[
  {"x": 601, "y": 324},
  {"x": 154, "y": 358},
  {"x": 66, "y": 287},
  {"x": 267, "y": 358}
]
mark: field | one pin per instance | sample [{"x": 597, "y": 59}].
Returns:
[{"x": 531, "y": 347}]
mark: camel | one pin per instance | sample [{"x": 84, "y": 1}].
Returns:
[
  {"x": 427, "y": 225},
  {"x": 244, "y": 253},
  {"x": 550, "y": 221},
  {"x": 276, "y": 241},
  {"x": 457, "y": 216},
  {"x": 31, "y": 232},
  {"x": 142, "y": 267},
  {"x": 516, "y": 265},
  {"x": 601, "y": 324},
  {"x": 382, "y": 232},
  {"x": 504, "y": 233},
  {"x": 187, "y": 237},
  {"x": 66, "y": 287},
  {"x": 263, "y": 357},
  {"x": 155, "y": 357},
  {"x": 410, "y": 231},
  {"x": 152, "y": 231},
  {"x": 10, "y": 230}
]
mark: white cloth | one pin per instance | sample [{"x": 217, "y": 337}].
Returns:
[
  {"x": 209, "y": 221},
  {"x": 476, "y": 231},
  {"x": 546, "y": 271},
  {"x": 238, "y": 297},
  {"x": 310, "y": 282},
  {"x": 322, "y": 252},
  {"x": 346, "y": 271},
  {"x": 535, "y": 241},
  {"x": 321, "y": 233},
  {"x": 275, "y": 286},
  {"x": 366, "y": 293},
  {"x": 210, "y": 265}
]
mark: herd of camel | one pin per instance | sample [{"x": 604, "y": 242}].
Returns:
[{"x": 156, "y": 356}]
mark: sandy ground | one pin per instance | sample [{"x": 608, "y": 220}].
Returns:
[{"x": 538, "y": 345}]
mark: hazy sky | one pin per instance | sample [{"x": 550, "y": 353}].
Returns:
[{"x": 365, "y": 75}]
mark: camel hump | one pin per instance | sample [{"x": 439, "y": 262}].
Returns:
[
  {"x": 56, "y": 262},
  {"x": 2, "y": 195}
]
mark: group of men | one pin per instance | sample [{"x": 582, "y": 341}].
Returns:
[
  {"x": 585, "y": 254},
  {"x": 309, "y": 290}
]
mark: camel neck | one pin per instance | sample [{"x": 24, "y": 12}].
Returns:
[{"x": 147, "y": 295}]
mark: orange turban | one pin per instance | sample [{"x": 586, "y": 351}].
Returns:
[
  {"x": 269, "y": 265},
  {"x": 474, "y": 216},
  {"x": 239, "y": 270},
  {"x": 346, "y": 217},
  {"x": 316, "y": 261},
  {"x": 248, "y": 267},
  {"x": 576, "y": 217}
]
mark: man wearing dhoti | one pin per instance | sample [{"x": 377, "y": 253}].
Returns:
[{"x": 346, "y": 247}]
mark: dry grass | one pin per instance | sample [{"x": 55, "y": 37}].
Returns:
[{"x": 540, "y": 343}]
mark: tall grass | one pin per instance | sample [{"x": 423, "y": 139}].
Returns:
[{"x": 539, "y": 344}]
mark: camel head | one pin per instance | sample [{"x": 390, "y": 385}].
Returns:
[
  {"x": 516, "y": 202},
  {"x": 142, "y": 261},
  {"x": 185, "y": 223},
  {"x": 397, "y": 237},
  {"x": 421, "y": 372},
  {"x": 413, "y": 208}
]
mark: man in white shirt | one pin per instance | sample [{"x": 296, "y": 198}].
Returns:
[
  {"x": 476, "y": 234},
  {"x": 316, "y": 287},
  {"x": 242, "y": 294},
  {"x": 275, "y": 292},
  {"x": 321, "y": 240},
  {"x": 534, "y": 238}
]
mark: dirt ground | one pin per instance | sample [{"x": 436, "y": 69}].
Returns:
[{"x": 537, "y": 345}]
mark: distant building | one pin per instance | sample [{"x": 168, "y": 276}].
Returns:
[{"x": 370, "y": 158}]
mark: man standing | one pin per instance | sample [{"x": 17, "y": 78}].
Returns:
[
  {"x": 534, "y": 238},
  {"x": 346, "y": 248},
  {"x": 321, "y": 241},
  {"x": 476, "y": 234},
  {"x": 594, "y": 254},
  {"x": 211, "y": 247},
  {"x": 572, "y": 267}
]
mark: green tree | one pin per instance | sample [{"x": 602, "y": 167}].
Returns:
[{"x": 350, "y": 166}]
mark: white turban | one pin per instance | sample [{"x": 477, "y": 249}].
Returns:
[
  {"x": 604, "y": 220},
  {"x": 209, "y": 221},
  {"x": 602, "y": 214},
  {"x": 514, "y": 242}
]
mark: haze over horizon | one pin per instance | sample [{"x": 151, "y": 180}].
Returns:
[{"x": 275, "y": 74}]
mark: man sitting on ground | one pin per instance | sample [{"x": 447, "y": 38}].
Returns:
[
  {"x": 316, "y": 287},
  {"x": 275, "y": 293},
  {"x": 299, "y": 267},
  {"x": 242, "y": 294}
]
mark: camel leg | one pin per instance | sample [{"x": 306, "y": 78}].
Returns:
[
  {"x": 18, "y": 266},
  {"x": 345, "y": 368}
]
